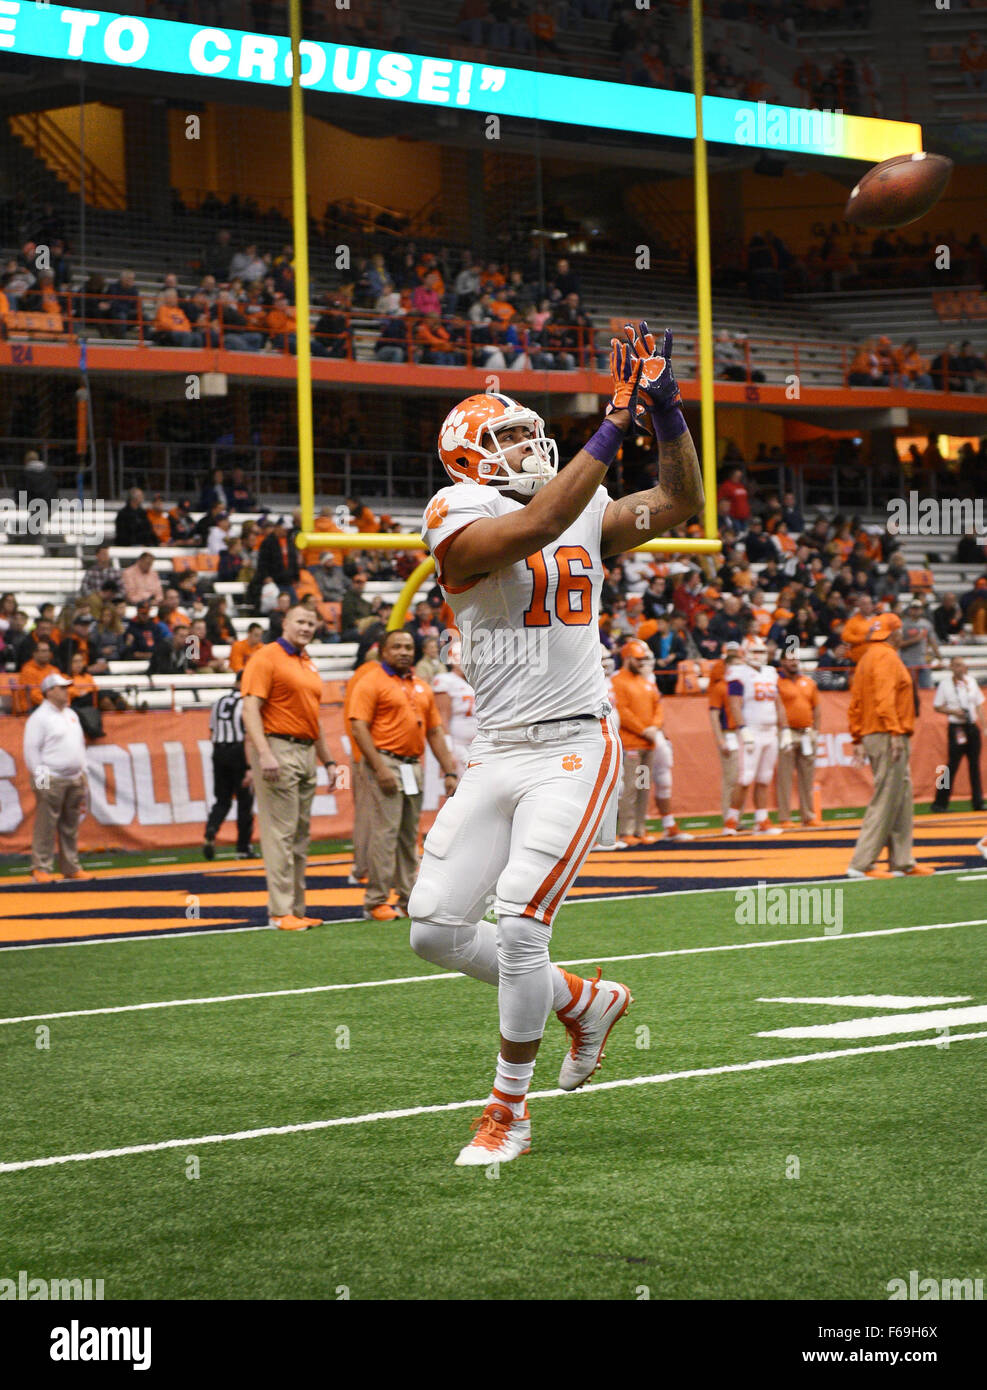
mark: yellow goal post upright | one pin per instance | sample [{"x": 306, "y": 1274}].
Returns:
[
  {"x": 343, "y": 540},
  {"x": 303, "y": 333}
]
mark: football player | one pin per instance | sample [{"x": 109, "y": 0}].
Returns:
[
  {"x": 455, "y": 701},
  {"x": 519, "y": 550},
  {"x": 662, "y": 762},
  {"x": 758, "y": 714}
]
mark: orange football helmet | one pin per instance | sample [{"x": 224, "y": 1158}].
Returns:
[{"x": 471, "y": 453}]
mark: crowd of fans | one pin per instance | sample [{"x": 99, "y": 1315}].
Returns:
[{"x": 819, "y": 574}]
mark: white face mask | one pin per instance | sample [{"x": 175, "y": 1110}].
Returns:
[{"x": 534, "y": 470}]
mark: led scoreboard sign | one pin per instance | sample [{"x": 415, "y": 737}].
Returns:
[{"x": 64, "y": 33}]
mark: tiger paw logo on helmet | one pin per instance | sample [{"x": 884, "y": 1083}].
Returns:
[
  {"x": 572, "y": 762},
  {"x": 438, "y": 510},
  {"x": 471, "y": 451}
]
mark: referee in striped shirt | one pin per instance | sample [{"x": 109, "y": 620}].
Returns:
[{"x": 231, "y": 775}]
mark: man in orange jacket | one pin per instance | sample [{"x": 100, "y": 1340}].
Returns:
[{"x": 882, "y": 719}]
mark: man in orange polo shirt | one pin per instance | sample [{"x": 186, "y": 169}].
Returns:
[
  {"x": 797, "y": 752},
  {"x": 362, "y": 805},
  {"x": 281, "y": 694},
  {"x": 882, "y": 719},
  {"x": 857, "y": 626},
  {"x": 27, "y": 690},
  {"x": 391, "y": 715},
  {"x": 637, "y": 702}
]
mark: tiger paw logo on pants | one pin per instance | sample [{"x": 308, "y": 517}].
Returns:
[
  {"x": 572, "y": 762},
  {"x": 436, "y": 512}
]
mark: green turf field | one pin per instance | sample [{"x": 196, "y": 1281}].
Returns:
[{"x": 683, "y": 1187}]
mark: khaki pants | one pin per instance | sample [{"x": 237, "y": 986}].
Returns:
[
  {"x": 729, "y": 769},
  {"x": 284, "y": 810},
  {"x": 794, "y": 761},
  {"x": 888, "y": 818},
  {"x": 60, "y": 808},
  {"x": 392, "y": 848},
  {"x": 362, "y": 811},
  {"x": 632, "y": 810}
]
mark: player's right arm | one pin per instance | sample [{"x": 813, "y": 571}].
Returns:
[{"x": 496, "y": 542}]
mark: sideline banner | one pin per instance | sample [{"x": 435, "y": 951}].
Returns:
[{"x": 150, "y": 778}]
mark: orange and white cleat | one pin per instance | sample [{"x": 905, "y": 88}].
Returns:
[
  {"x": 382, "y": 913},
  {"x": 588, "y": 1021},
  {"x": 499, "y": 1136},
  {"x": 677, "y": 834},
  {"x": 982, "y": 846}
]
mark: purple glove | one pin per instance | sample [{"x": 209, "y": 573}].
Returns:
[{"x": 658, "y": 390}]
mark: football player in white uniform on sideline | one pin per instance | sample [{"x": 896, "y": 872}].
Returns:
[
  {"x": 758, "y": 714},
  {"x": 607, "y": 838},
  {"x": 662, "y": 762},
  {"x": 456, "y": 702},
  {"x": 519, "y": 551}
]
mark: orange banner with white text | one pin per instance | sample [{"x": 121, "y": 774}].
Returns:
[{"x": 150, "y": 778}]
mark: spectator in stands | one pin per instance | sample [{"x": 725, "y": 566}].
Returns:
[
  {"x": 27, "y": 692},
  {"x": 435, "y": 343},
  {"x": 140, "y": 581},
  {"x": 231, "y": 561},
  {"x": 183, "y": 524},
  {"x": 37, "y": 481},
  {"x": 332, "y": 328},
  {"x": 237, "y": 334},
  {"x": 142, "y": 633},
  {"x": 356, "y": 609},
  {"x": 201, "y": 657},
  {"x": 242, "y": 650},
  {"x": 392, "y": 338},
  {"x": 973, "y": 62},
  {"x": 170, "y": 654},
  {"x": 912, "y": 370},
  {"x": 203, "y": 527},
  {"x": 219, "y": 629},
  {"x": 122, "y": 310},
  {"x": 280, "y": 324},
  {"x": 276, "y": 560},
  {"x": 945, "y": 370},
  {"x": 422, "y": 625},
  {"x": 171, "y": 325},
  {"x": 17, "y": 641},
  {"x": 247, "y": 265},
  {"x": 555, "y": 334},
  {"x": 83, "y": 692},
  {"x": 971, "y": 368},
  {"x": 947, "y": 620},
  {"x": 865, "y": 369},
  {"x": 218, "y": 534},
  {"x": 275, "y": 623},
  {"x": 79, "y": 639},
  {"x": 725, "y": 624},
  {"x": 895, "y": 581},
  {"x": 133, "y": 526},
  {"x": 734, "y": 491},
  {"x": 728, "y": 360},
  {"x": 159, "y": 519},
  {"x": 214, "y": 491},
  {"x": 565, "y": 281},
  {"x": 834, "y": 667},
  {"x": 239, "y": 496}
]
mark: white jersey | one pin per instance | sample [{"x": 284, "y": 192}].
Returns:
[
  {"x": 530, "y": 632},
  {"x": 462, "y": 719},
  {"x": 758, "y": 691}
]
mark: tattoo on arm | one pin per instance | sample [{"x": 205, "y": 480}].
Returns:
[{"x": 678, "y": 467}]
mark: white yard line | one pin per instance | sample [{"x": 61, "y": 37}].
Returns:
[
  {"x": 310, "y": 1126},
  {"x": 455, "y": 975}
]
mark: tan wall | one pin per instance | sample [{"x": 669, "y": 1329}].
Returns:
[{"x": 248, "y": 152}]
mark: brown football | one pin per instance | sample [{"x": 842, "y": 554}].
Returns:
[{"x": 899, "y": 190}]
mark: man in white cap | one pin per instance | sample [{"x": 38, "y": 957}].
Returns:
[{"x": 55, "y": 754}]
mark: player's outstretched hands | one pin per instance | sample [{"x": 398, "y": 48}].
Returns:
[
  {"x": 658, "y": 389},
  {"x": 625, "y": 374}
]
